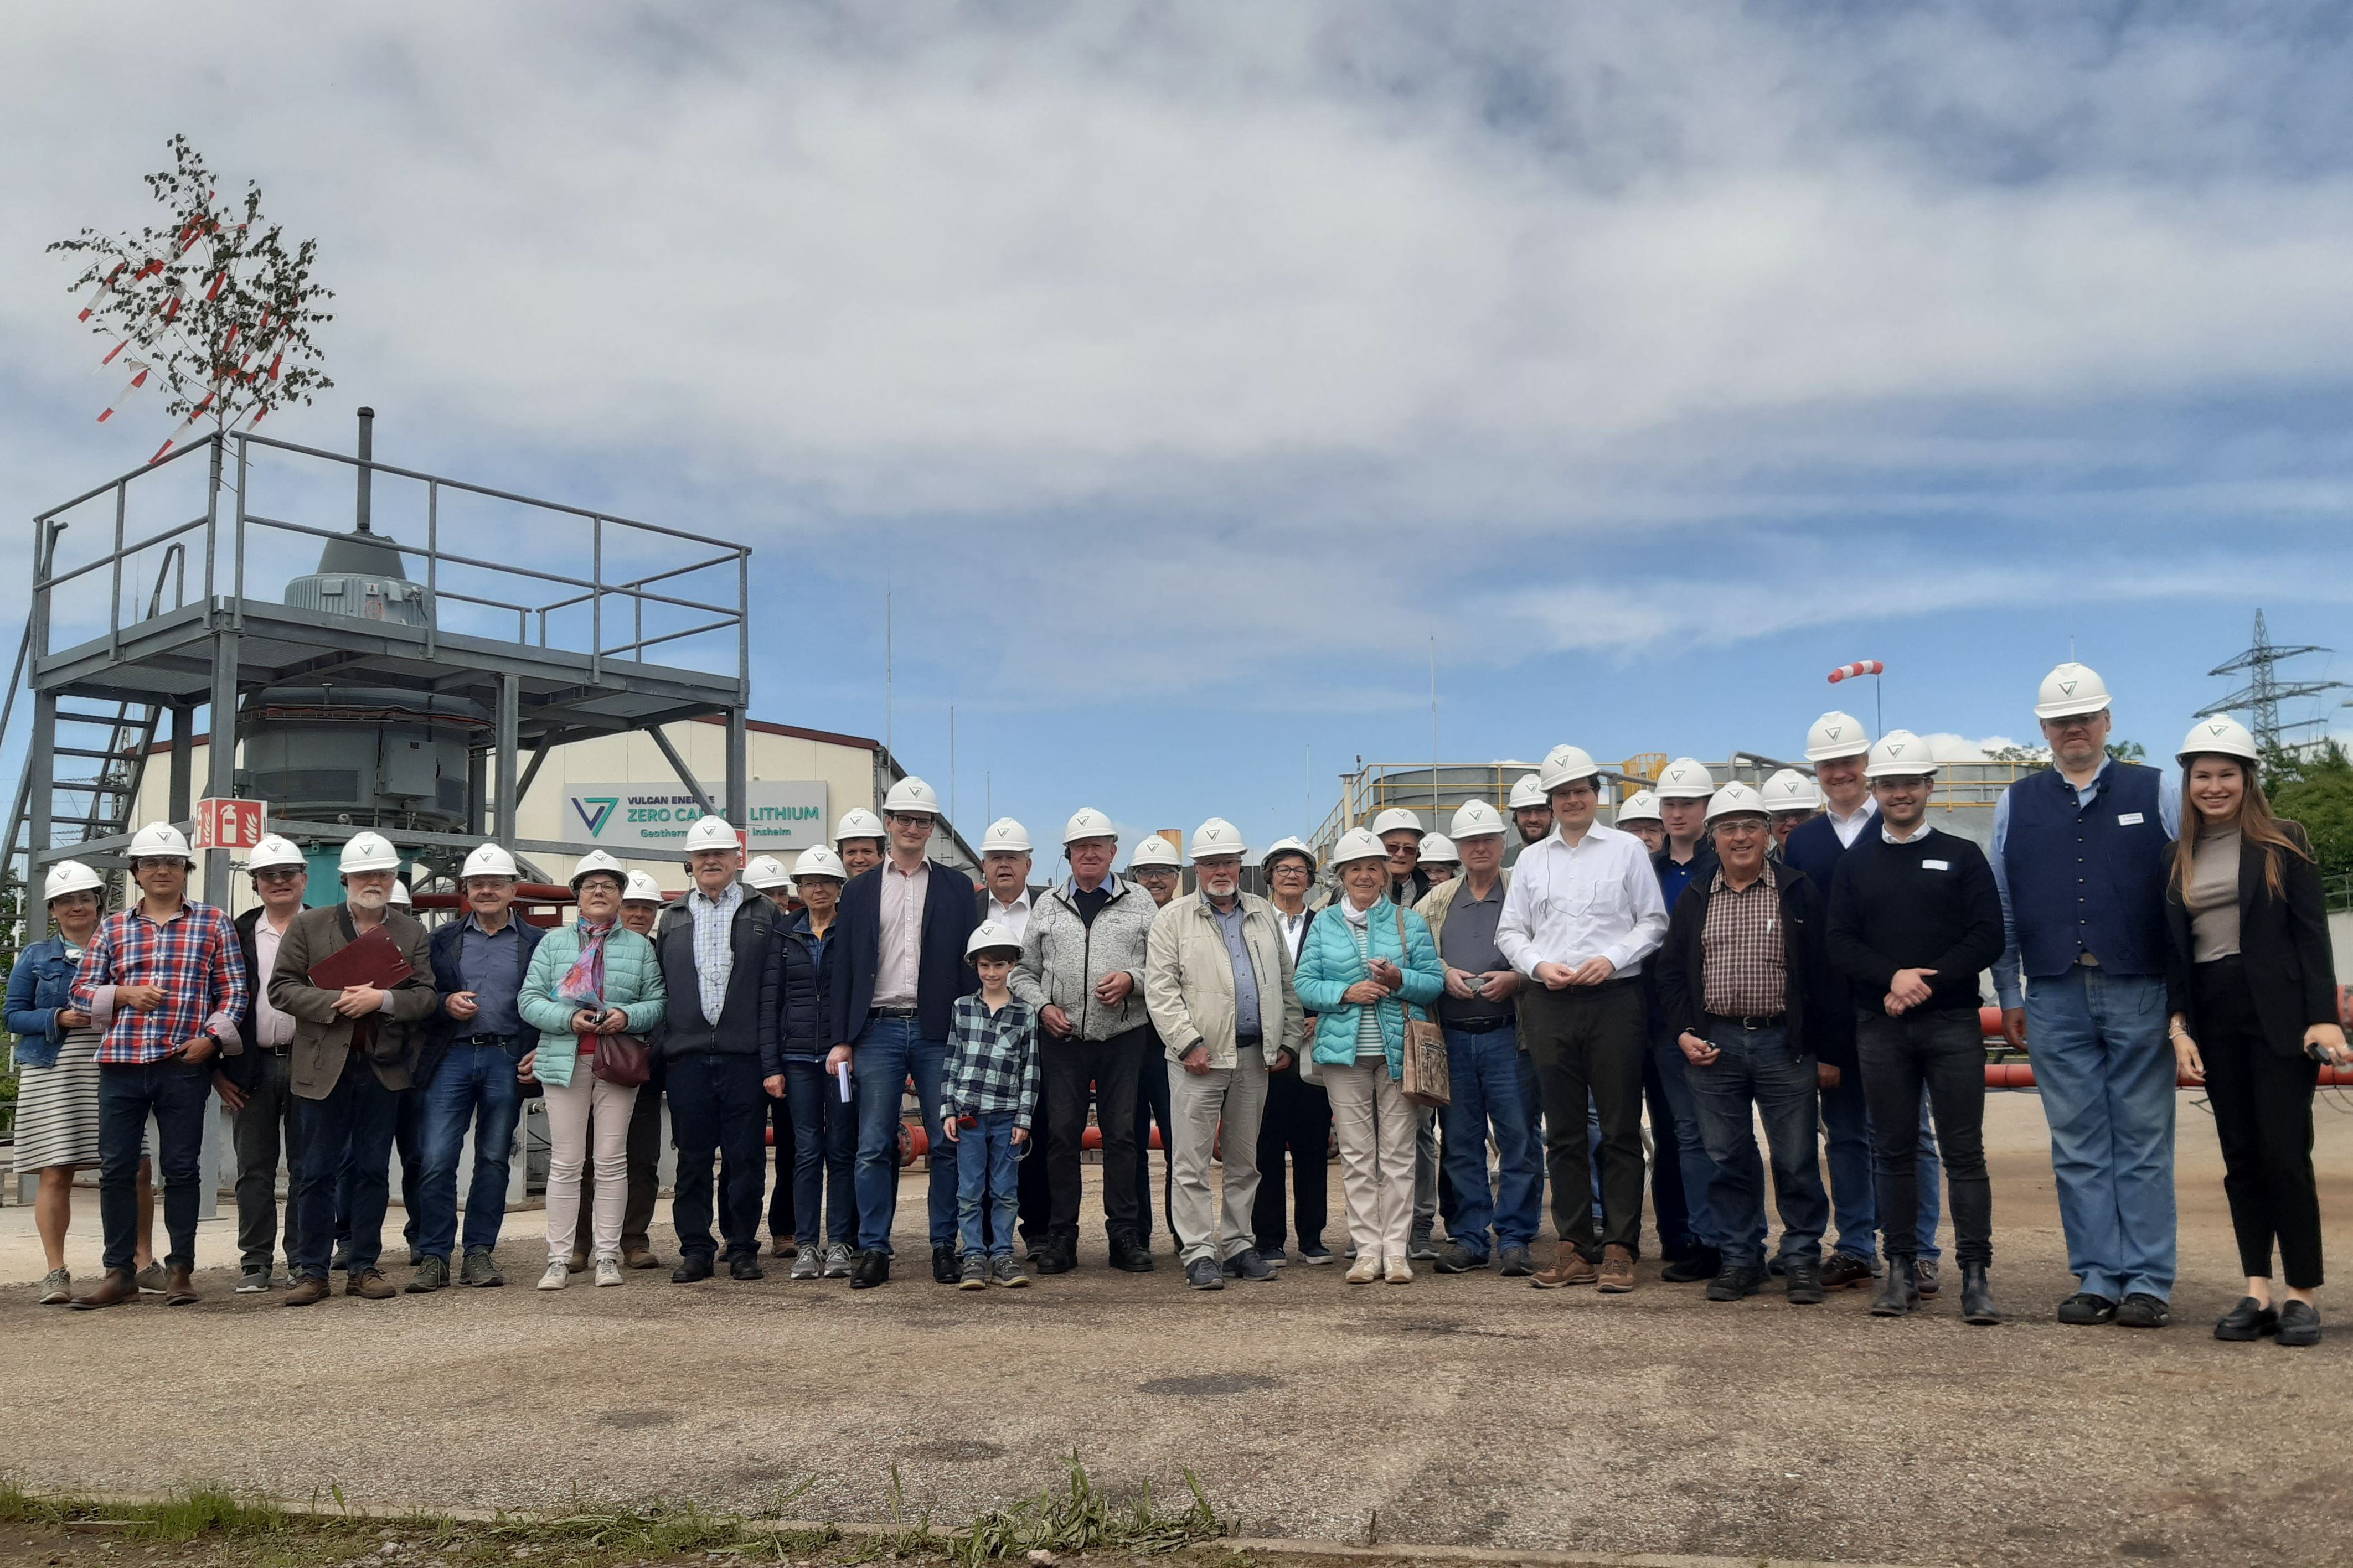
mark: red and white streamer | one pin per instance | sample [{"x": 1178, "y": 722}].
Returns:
[{"x": 1859, "y": 668}]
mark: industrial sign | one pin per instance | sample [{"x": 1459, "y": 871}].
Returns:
[
  {"x": 229, "y": 823},
  {"x": 642, "y": 818}
]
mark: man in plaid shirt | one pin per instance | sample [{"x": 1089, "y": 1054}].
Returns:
[
  {"x": 988, "y": 1097},
  {"x": 166, "y": 982}
]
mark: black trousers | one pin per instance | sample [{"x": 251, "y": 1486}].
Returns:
[
  {"x": 645, "y": 1171},
  {"x": 717, "y": 1107},
  {"x": 1669, "y": 1211},
  {"x": 1106, "y": 1070},
  {"x": 1943, "y": 1049},
  {"x": 2262, "y": 1102},
  {"x": 1297, "y": 1121},
  {"x": 1590, "y": 1042}
]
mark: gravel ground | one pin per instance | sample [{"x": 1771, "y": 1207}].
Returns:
[{"x": 1468, "y": 1411}]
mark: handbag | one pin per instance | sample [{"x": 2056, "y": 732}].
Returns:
[
  {"x": 623, "y": 1060},
  {"x": 1429, "y": 1080}
]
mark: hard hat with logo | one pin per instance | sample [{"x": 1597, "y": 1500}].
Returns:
[
  {"x": 765, "y": 871},
  {"x": 642, "y": 889},
  {"x": 367, "y": 852},
  {"x": 1684, "y": 779},
  {"x": 1088, "y": 823},
  {"x": 399, "y": 896},
  {"x": 1836, "y": 734},
  {"x": 2218, "y": 735},
  {"x": 274, "y": 852},
  {"x": 1900, "y": 753},
  {"x": 1396, "y": 819},
  {"x": 1736, "y": 799},
  {"x": 991, "y": 934},
  {"x": 1439, "y": 850},
  {"x": 2070, "y": 690},
  {"x": 597, "y": 860},
  {"x": 711, "y": 833},
  {"x": 71, "y": 877},
  {"x": 1217, "y": 836},
  {"x": 158, "y": 841},
  {"x": 857, "y": 823},
  {"x": 1153, "y": 850},
  {"x": 1357, "y": 844},
  {"x": 488, "y": 860},
  {"x": 911, "y": 796},
  {"x": 1527, "y": 791},
  {"x": 1472, "y": 819},
  {"x": 1640, "y": 806},
  {"x": 1286, "y": 846},
  {"x": 1790, "y": 790},
  {"x": 1005, "y": 837},
  {"x": 1565, "y": 766},
  {"x": 817, "y": 860}
]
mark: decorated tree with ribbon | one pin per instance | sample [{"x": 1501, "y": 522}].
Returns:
[{"x": 212, "y": 309}]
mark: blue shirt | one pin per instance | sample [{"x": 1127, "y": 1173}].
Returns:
[
  {"x": 1229, "y": 926},
  {"x": 2006, "y": 988},
  {"x": 490, "y": 964}
]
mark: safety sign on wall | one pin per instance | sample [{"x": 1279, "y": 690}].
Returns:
[{"x": 626, "y": 818}]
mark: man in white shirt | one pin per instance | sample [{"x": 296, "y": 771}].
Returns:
[
  {"x": 1004, "y": 861},
  {"x": 1582, "y": 916},
  {"x": 256, "y": 1086}
]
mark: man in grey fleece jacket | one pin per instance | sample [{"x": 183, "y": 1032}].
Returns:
[{"x": 1083, "y": 969}]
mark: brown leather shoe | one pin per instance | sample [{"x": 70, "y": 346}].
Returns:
[
  {"x": 118, "y": 1285},
  {"x": 308, "y": 1291},
  {"x": 369, "y": 1283},
  {"x": 180, "y": 1289},
  {"x": 1842, "y": 1269},
  {"x": 1617, "y": 1270},
  {"x": 1569, "y": 1268},
  {"x": 640, "y": 1257},
  {"x": 578, "y": 1263}
]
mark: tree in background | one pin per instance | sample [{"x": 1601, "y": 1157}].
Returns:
[{"x": 2313, "y": 784}]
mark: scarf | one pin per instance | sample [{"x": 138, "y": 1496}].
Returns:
[{"x": 584, "y": 983}]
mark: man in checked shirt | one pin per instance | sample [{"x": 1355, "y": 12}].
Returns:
[{"x": 165, "y": 980}]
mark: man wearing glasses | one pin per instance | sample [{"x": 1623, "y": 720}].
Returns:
[
  {"x": 257, "y": 1083},
  {"x": 2079, "y": 855}
]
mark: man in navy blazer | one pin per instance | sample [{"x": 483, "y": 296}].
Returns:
[{"x": 898, "y": 972}]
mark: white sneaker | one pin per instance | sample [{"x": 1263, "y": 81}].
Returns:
[
  {"x": 1400, "y": 1272},
  {"x": 1365, "y": 1269},
  {"x": 608, "y": 1271},
  {"x": 559, "y": 1273}
]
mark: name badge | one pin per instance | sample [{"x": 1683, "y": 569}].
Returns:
[
  {"x": 2128, "y": 819},
  {"x": 1936, "y": 865}
]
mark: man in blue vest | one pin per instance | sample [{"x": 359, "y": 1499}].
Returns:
[{"x": 2079, "y": 853}]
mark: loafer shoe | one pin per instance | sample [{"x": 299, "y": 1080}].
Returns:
[
  {"x": 2250, "y": 1320},
  {"x": 2299, "y": 1323},
  {"x": 694, "y": 1266},
  {"x": 874, "y": 1268},
  {"x": 745, "y": 1265}
]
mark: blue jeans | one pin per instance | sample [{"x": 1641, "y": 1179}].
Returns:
[
  {"x": 176, "y": 1094},
  {"x": 718, "y": 1111},
  {"x": 2098, "y": 1046},
  {"x": 474, "y": 1086},
  {"x": 1756, "y": 1068},
  {"x": 1846, "y": 1141},
  {"x": 1690, "y": 1152},
  {"x": 1485, "y": 1073},
  {"x": 889, "y": 1051},
  {"x": 988, "y": 1169},
  {"x": 352, "y": 1125},
  {"x": 825, "y": 1153},
  {"x": 408, "y": 1137}
]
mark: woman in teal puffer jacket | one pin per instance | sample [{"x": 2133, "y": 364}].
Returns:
[{"x": 1365, "y": 960}]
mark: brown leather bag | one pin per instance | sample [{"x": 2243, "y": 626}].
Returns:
[
  {"x": 622, "y": 1059},
  {"x": 1428, "y": 1078}
]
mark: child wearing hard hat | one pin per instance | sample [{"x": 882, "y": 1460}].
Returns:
[{"x": 988, "y": 1100}]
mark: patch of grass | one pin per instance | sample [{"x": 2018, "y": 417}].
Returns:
[{"x": 1082, "y": 1518}]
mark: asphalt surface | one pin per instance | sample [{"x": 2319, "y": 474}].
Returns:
[{"x": 1468, "y": 1410}]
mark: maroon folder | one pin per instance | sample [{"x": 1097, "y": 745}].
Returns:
[{"x": 372, "y": 958}]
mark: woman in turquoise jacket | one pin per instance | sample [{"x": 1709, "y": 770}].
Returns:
[
  {"x": 593, "y": 977},
  {"x": 1364, "y": 962}
]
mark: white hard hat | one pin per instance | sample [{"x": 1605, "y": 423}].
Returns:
[
  {"x": 1527, "y": 789},
  {"x": 911, "y": 796},
  {"x": 1217, "y": 836},
  {"x": 1736, "y": 799},
  {"x": 1005, "y": 837},
  {"x": 274, "y": 851},
  {"x": 857, "y": 823},
  {"x": 1565, "y": 766},
  {"x": 1900, "y": 753},
  {"x": 1357, "y": 844},
  {"x": 70, "y": 876},
  {"x": 767, "y": 871},
  {"x": 642, "y": 889},
  {"x": 988, "y": 934},
  {"x": 711, "y": 833},
  {"x": 488, "y": 860},
  {"x": 817, "y": 860},
  {"x": 1152, "y": 849},
  {"x": 1440, "y": 848},
  {"x": 1396, "y": 819},
  {"x": 367, "y": 852},
  {"x": 1790, "y": 790},
  {"x": 2070, "y": 690},
  {"x": 157, "y": 841},
  {"x": 1836, "y": 734},
  {"x": 1285, "y": 846},
  {"x": 1088, "y": 823},
  {"x": 1640, "y": 806},
  {"x": 1684, "y": 779},
  {"x": 2219, "y": 735},
  {"x": 1471, "y": 819},
  {"x": 597, "y": 860},
  {"x": 399, "y": 895}
]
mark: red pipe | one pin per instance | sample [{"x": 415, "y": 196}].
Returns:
[{"x": 2020, "y": 1075}]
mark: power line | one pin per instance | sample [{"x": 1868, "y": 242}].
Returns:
[{"x": 2265, "y": 691}]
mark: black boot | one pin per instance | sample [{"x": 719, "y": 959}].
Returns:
[
  {"x": 1900, "y": 1293},
  {"x": 1977, "y": 1296}
]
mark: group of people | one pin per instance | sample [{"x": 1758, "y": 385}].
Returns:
[{"x": 1806, "y": 955}]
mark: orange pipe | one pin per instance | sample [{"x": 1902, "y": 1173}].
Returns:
[{"x": 2020, "y": 1075}]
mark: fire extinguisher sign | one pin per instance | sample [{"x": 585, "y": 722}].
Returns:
[{"x": 229, "y": 823}]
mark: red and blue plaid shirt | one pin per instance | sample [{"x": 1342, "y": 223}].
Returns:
[{"x": 194, "y": 958}]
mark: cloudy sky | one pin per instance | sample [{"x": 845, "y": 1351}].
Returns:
[{"x": 1185, "y": 371}]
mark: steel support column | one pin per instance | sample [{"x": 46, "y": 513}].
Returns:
[
  {"x": 510, "y": 721},
  {"x": 40, "y": 800},
  {"x": 220, "y": 753},
  {"x": 183, "y": 758},
  {"x": 739, "y": 791}
]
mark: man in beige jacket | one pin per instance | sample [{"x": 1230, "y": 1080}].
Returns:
[{"x": 1217, "y": 981}]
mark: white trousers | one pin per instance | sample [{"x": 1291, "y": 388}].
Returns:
[
  {"x": 1376, "y": 1130},
  {"x": 1198, "y": 1102},
  {"x": 568, "y": 1124}
]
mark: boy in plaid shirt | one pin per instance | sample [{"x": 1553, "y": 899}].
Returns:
[{"x": 989, "y": 1094}]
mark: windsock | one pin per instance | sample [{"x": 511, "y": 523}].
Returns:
[
  {"x": 1859, "y": 666},
  {"x": 140, "y": 370}
]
